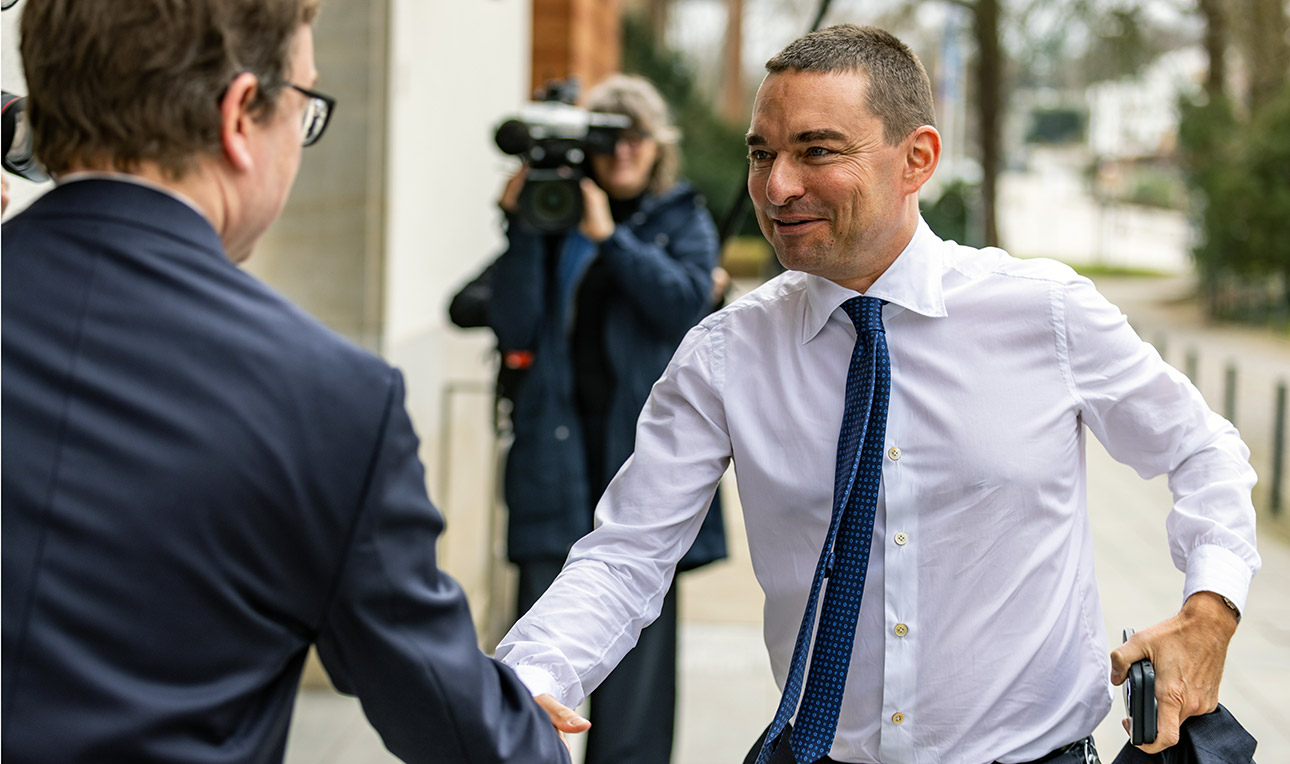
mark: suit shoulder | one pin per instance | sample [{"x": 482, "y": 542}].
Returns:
[{"x": 313, "y": 350}]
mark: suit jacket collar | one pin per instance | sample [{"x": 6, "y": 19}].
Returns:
[{"x": 131, "y": 203}]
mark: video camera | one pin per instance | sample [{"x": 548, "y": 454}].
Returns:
[
  {"x": 555, "y": 139},
  {"x": 17, "y": 154}
]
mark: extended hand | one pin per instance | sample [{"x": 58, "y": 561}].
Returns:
[
  {"x": 1187, "y": 652},
  {"x": 564, "y": 719}
]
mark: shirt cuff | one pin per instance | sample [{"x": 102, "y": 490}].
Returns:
[
  {"x": 539, "y": 681},
  {"x": 1212, "y": 568}
]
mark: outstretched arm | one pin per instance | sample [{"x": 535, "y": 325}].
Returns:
[{"x": 398, "y": 632}]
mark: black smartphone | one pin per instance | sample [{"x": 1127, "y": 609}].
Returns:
[{"x": 1140, "y": 700}]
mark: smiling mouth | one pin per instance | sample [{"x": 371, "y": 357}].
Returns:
[{"x": 793, "y": 223}]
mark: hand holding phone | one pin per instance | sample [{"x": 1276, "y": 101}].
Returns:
[{"x": 1140, "y": 699}]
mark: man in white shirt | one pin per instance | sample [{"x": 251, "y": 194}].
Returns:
[{"x": 980, "y": 635}]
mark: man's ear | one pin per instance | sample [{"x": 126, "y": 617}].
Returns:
[
  {"x": 922, "y": 156},
  {"x": 236, "y": 121}
]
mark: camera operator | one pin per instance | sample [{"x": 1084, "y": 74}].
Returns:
[{"x": 591, "y": 316}]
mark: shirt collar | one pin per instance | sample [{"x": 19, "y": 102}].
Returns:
[{"x": 911, "y": 282}]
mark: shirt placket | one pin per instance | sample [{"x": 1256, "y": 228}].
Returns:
[{"x": 900, "y": 713}]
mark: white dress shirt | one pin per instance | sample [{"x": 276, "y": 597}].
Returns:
[{"x": 980, "y": 634}]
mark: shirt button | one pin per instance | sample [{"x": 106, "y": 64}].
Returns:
[
  {"x": 901, "y": 539},
  {"x": 893, "y": 453},
  {"x": 901, "y": 629},
  {"x": 562, "y": 433},
  {"x": 898, "y": 718}
]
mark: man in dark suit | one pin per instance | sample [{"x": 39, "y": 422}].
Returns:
[{"x": 199, "y": 480}]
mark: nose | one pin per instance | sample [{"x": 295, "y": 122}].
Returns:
[{"x": 783, "y": 182}]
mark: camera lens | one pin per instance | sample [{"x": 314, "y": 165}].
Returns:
[
  {"x": 551, "y": 205},
  {"x": 552, "y": 200}
]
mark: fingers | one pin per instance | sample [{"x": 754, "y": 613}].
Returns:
[
  {"x": 1126, "y": 655},
  {"x": 511, "y": 193},
  {"x": 1168, "y": 719},
  {"x": 1187, "y": 652},
  {"x": 564, "y": 718},
  {"x": 592, "y": 193},
  {"x": 597, "y": 221}
]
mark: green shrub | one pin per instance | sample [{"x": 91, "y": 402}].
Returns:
[
  {"x": 1239, "y": 173},
  {"x": 713, "y": 153},
  {"x": 955, "y": 214},
  {"x": 1056, "y": 125}
]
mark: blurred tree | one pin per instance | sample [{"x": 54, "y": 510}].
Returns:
[
  {"x": 712, "y": 149},
  {"x": 733, "y": 107},
  {"x": 1118, "y": 41},
  {"x": 1260, "y": 33},
  {"x": 989, "y": 80},
  {"x": 1235, "y": 149},
  {"x": 1215, "y": 46}
]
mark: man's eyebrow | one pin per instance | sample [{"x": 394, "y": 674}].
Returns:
[
  {"x": 806, "y": 136},
  {"x": 811, "y": 136}
]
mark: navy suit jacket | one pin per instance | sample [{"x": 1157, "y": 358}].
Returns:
[{"x": 200, "y": 481}]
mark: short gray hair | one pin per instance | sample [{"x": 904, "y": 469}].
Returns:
[{"x": 638, "y": 99}]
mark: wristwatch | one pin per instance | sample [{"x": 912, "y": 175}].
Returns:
[{"x": 1231, "y": 606}]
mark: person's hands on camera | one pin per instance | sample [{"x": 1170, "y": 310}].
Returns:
[
  {"x": 510, "y": 201},
  {"x": 597, "y": 221}
]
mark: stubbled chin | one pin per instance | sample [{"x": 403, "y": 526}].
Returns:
[{"x": 791, "y": 256}]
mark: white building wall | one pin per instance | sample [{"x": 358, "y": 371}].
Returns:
[
  {"x": 456, "y": 70},
  {"x": 1138, "y": 116}
]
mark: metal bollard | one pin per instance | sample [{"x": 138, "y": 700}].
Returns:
[
  {"x": 1278, "y": 447},
  {"x": 1229, "y": 394}
]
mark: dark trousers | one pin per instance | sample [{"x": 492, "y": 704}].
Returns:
[
  {"x": 633, "y": 712},
  {"x": 1079, "y": 752}
]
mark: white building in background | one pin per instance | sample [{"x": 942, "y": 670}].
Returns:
[{"x": 1138, "y": 116}]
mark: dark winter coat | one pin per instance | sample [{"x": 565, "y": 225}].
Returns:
[{"x": 660, "y": 264}]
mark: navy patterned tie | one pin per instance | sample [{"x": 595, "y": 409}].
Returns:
[{"x": 845, "y": 556}]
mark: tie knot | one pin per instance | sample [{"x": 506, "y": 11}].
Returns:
[{"x": 865, "y": 313}]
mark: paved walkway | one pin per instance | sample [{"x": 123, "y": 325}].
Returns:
[{"x": 727, "y": 694}]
